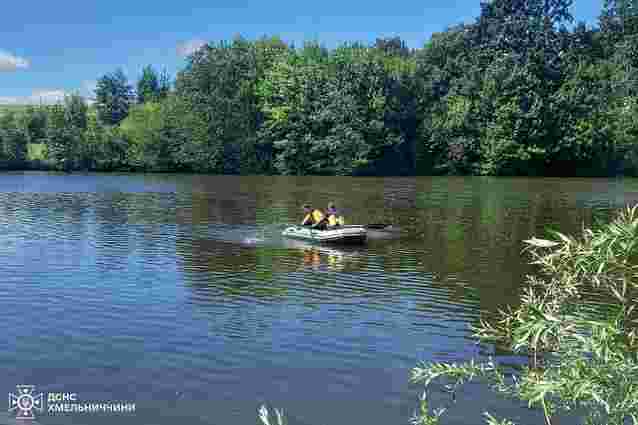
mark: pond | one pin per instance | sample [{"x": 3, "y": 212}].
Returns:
[{"x": 178, "y": 293}]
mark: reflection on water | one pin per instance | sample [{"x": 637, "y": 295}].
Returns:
[{"x": 179, "y": 293}]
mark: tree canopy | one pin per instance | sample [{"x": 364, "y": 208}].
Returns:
[
  {"x": 516, "y": 92},
  {"x": 114, "y": 96}
]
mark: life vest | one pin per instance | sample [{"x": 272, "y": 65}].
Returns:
[
  {"x": 313, "y": 218},
  {"x": 307, "y": 219},
  {"x": 333, "y": 220},
  {"x": 317, "y": 216}
]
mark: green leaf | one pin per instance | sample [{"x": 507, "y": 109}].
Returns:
[{"x": 541, "y": 243}]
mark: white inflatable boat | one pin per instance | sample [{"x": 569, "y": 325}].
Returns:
[{"x": 338, "y": 235}]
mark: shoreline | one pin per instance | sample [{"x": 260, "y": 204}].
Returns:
[{"x": 49, "y": 166}]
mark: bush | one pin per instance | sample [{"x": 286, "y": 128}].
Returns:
[{"x": 582, "y": 358}]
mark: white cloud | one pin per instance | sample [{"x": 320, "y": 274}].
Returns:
[
  {"x": 46, "y": 97},
  {"x": 4, "y": 100},
  {"x": 189, "y": 47},
  {"x": 10, "y": 62},
  {"x": 52, "y": 96}
]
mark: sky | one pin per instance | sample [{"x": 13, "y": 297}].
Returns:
[{"x": 49, "y": 48}]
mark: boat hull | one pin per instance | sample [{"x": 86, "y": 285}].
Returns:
[{"x": 345, "y": 235}]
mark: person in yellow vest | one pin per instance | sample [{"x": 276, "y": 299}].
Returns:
[
  {"x": 313, "y": 217},
  {"x": 334, "y": 219}
]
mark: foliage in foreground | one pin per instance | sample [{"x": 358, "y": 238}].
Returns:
[
  {"x": 264, "y": 416},
  {"x": 584, "y": 360}
]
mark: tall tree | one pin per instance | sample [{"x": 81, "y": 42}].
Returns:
[
  {"x": 35, "y": 123},
  {"x": 218, "y": 85},
  {"x": 75, "y": 112},
  {"x": 114, "y": 96},
  {"x": 142, "y": 129},
  {"x": 164, "y": 84},
  {"x": 148, "y": 86},
  {"x": 13, "y": 139},
  {"x": 522, "y": 26},
  {"x": 392, "y": 46},
  {"x": 620, "y": 17},
  {"x": 63, "y": 138},
  {"x": 66, "y": 131},
  {"x": 343, "y": 112}
]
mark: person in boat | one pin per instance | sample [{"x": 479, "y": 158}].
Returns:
[
  {"x": 334, "y": 220},
  {"x": 313, "y": 218}
]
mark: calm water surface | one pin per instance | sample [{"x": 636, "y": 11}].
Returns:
[{"x": 178, "y": 294}]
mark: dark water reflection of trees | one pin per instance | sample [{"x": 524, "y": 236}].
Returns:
[{"x": 465, "y": 233}]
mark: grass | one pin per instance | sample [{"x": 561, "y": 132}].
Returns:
[
  {"x": 35, "y": 151},
  {"x": 12, "y": 108}
]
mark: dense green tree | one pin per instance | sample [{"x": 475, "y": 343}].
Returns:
[
  {"x": 142, "y": 130},
  {"x": 13, "y": 139},
  {"x": 35, "y": 123},
  {"x": 148, "y": 86},
  {"x": 449, "y": 76},
  {"x": 66, "y": 127},
  {"x": 112, "y": 149},
  {"x": 392, "y": 46},
  {"x": 114, "y": 96},
  {"x": 176, "y": 133},
  {"x": 336, "y": 112},
  {"x": 619, "y": 18},
  {"x": 75, "y": 112},
  {"x": 218, "y": 85},
  {"x": 164, "y": 85},
  {"x": 520, "y": 26},
  {"x": 625, "y": 131},
  {"x": 63, "y": 138}
]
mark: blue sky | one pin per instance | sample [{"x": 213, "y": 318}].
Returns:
[{"x": 48, "y": 48}]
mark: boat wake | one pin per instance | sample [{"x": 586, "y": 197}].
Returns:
[
  {"x": 269, "y": 235},
  {"x": 252, "y": 241}
]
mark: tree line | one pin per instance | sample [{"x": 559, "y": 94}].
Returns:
[{"x": 520, "y": 91}]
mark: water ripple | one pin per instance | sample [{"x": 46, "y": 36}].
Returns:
[{"x": 181, "y": 287}]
